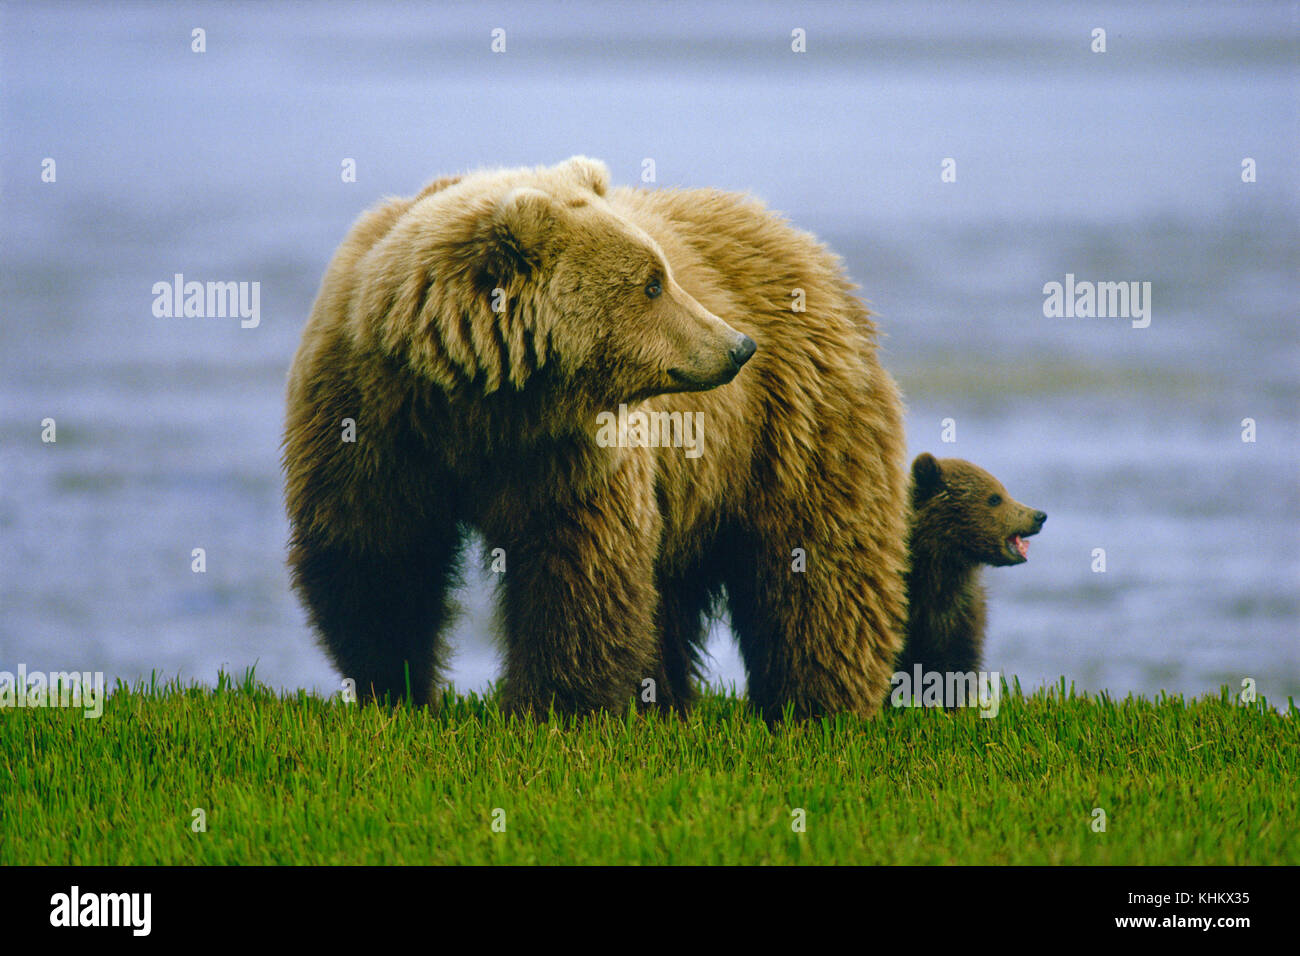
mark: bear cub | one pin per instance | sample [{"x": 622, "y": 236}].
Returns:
[{"x": 961, "y": 518}]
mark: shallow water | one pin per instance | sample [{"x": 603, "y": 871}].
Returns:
[{"x": 225, "y": 166}]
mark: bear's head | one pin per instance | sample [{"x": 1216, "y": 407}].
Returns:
[
  {"x": 508, "y": 273},
  {"x": 603, "y": 293},
  {"x": 964, "y": 511}
]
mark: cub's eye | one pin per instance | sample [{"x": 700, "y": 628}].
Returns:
[
  {"x": 995, "y": 500},
  {"x": 653, "y": 288}
]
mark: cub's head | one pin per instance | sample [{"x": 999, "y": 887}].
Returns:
[
  {"x": 594, "y": 293},
  {"x": 963, "y": 510}
]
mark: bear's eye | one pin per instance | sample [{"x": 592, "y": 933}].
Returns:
[
  {"x": 653, "y": 288},
  {"x": 995, "y": 500}
]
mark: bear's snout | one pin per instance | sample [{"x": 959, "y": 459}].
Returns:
[
  {"x": 711, "y": 352},
  {"x": 1033, "y": 521},
  {"x": 744, "y": 349},
  {"x": 711, "y": 369}
]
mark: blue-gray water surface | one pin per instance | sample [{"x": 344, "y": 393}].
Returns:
[{"x": 1125, "y": 165}]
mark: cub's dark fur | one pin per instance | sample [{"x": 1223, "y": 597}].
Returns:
[{"x": 961, "y": 518}]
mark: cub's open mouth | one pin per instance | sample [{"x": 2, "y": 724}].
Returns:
[{"x": 1018, "y": 548}]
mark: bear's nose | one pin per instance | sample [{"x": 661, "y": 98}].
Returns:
[
  {"x": 1040, "y": 517},
  {"x": 741, "y": 353}
]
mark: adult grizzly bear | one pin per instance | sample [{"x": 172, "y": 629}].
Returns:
[{"x": 478, "y": 334}]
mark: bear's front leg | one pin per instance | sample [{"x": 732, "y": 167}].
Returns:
[
  {"x": 579, "y": 599},
  {"x": 684, "y": 602},
  {"x": 819, "y": 632}
]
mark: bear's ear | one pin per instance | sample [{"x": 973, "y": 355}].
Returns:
[
  {"x": 927, "y": 477},
  {"x": 437, "y": 186},
  {"x": 522, "y": 223},
  {"x": 591, "y": 173}
]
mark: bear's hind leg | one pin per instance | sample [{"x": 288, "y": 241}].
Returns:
[{"x": 381, "y": 616}]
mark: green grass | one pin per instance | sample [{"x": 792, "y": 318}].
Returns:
[{"x": 302, "y": 779}]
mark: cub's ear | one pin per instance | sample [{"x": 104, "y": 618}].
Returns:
[
  {"x": 591, "y": 173},
  {"x": 927, "y": 477},
  {"x": 522, "y": 224}
]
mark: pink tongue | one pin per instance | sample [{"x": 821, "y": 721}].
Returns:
[{"x": 1021, "y": 545}]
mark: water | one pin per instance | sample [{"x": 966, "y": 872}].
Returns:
[{"x": 225, "y": 166}]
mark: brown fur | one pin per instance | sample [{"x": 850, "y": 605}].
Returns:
[
  {"x": 961, "y": 519},
  {"x": 468, "y": 417}
]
